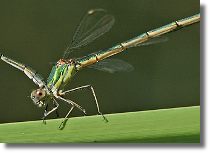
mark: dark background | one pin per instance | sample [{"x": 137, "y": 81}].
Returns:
[{"x": 37, "y": 32}]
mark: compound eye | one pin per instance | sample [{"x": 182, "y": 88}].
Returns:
[{"x": 39, "y": 94}]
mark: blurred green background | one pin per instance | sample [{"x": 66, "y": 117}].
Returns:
[{"x": 37, "y": 32}]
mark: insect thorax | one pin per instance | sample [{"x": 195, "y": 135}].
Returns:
[{"x": 60, "y": 75}]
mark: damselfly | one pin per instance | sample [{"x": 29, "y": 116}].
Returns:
[{"x": 94, "y": 24}]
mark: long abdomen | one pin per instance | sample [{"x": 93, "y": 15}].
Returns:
[{"x": 100, "y": 55}]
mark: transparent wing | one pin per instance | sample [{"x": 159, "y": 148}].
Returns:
[
  {"x": 94, "y": 24},
  {"x": 112, "y": 65}
]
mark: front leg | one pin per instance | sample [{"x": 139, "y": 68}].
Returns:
[{"x": 55, "y": 108}]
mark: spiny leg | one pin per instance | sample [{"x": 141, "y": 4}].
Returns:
[
  {"x": 45, "y": 112},
  {"x": 55, "y": 108},
  {"x": 56, "y": 111},
  {"x": 67, "y": 115},
  {"x": 72, "y": 103},
  {"x": 94, "y": 95}
]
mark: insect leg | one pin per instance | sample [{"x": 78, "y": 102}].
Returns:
[
  {"x": 94, "y": 95},
  {"x": 55, "y": 108},
  {"x": 67, "y": 115},
  {"x": 72, "y": 103}
]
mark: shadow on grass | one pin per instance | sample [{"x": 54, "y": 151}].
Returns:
[{"x": 63, "y": 125}]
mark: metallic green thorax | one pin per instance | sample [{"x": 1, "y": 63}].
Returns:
[{"x": 60, "y": 75}]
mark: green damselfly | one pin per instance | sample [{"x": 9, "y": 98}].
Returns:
[{"x": 94, "y": 24}]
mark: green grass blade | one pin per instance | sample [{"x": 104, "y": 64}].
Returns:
[{"x": 176, "y": 125}]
